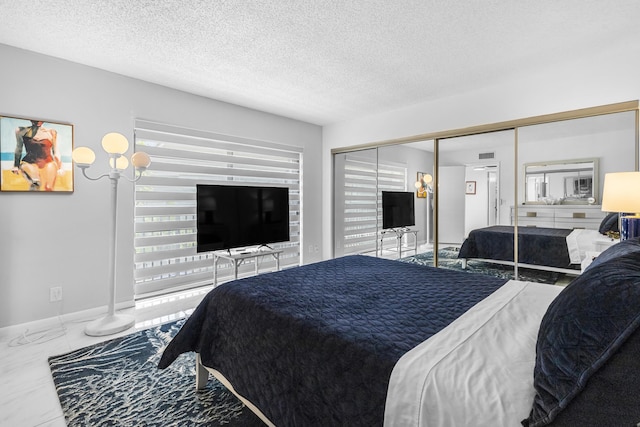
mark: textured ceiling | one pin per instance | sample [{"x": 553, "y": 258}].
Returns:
[{"x": 314, "y": 60}]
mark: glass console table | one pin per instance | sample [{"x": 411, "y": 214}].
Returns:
[
  {"x": 399, "y": 233},
  {"x": 238, "y": 258}
]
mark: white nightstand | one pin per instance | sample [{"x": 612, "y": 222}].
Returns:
[{"x": 604, "y": 244}]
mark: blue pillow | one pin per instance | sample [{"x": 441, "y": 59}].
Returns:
[
  {"x": 609, "y": 223},
  {"x": 583, "y": 327},
  {"x": 607, "y": 400}
]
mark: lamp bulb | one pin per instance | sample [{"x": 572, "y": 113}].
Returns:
[
  {"x": 121, "y": 163},
  {"x": 115, "y": 143},
  {"x": 83, "y": 156},
  {"x": 140, "y": 160},
  {"x": 418, "y": 184},
  {"x": 427, "y": 178}
]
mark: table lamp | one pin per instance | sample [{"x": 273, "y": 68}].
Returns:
[{"x": 622, "y": 194}]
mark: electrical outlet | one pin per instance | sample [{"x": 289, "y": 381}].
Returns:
[{"x": 55, "y": 294}]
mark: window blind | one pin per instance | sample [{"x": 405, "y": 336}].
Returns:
[
  {"x": 364, "y": 180},
  {"x": 166, "y": 259}
]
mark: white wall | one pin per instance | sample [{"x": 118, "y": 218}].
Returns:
[
  {"x": 62, "y": 239},
  {"x": 596, "y": 78},
  {"x": 451, "y": 199}
]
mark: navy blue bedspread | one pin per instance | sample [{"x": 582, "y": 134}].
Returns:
[
  {"x": 315, "y": 345},
  {"x": 536, "y": 245}
]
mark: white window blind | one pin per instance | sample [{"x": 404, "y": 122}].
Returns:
[
  {"x": 165, "y": 201},
  {"x": 364, "y": 180}
]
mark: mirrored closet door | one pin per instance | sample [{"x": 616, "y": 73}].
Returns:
[
  {"x": 476, "y": 181},
  {"x": 355, "y": 202},
  {"x": 364, "y": 180},
  {"x": 405, "y": 181},
  {"x": 562, "y": 166}
]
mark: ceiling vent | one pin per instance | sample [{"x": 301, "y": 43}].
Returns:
[{"x": 485, "y": 156}]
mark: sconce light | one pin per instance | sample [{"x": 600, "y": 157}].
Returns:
[
  {"x": 115, "y": 145},
  {"x": 424, "y": 184},
  {"x": 621, "y": 194}
]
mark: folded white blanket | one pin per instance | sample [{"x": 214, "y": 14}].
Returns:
[
  {"x": 581, "y": 241},
  {"x": 478, "y": 371}
]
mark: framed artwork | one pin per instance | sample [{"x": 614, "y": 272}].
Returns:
[
  {"x": 421, "y": 191},
  {"x": 35, "y": 155},
  {"x": 471, "y": 187}
]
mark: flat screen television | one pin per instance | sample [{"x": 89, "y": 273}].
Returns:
[
  {"x": 230, "y": 217},
  {"x": 397, "y": 209}
]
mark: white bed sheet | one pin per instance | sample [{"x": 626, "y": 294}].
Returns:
[
  {"x": 581, "y": 241},
  {"x": 478, "y": 370}
]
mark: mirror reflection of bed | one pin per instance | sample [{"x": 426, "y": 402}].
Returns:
[{"x": 548, "y": 184}]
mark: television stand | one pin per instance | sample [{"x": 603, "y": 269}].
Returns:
[
  {"x": 400, "y": 232},
  {"x": 239, "y": 258}
]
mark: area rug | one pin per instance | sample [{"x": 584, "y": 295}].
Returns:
[
  {"x": 117, "y": 383},
  {"x": 448, "y": 258}
]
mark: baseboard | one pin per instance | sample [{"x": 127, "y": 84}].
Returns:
[{"x": 56, "y": 321}]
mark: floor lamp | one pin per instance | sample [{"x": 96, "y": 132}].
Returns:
[
  {"x": 115, "y": 145},
  {"x": 621, "y": 194},
  {"x": 425, "y": 190}
]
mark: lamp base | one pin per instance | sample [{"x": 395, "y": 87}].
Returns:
[
  {"x": 629, "y": 227},
  {"x": 109, "y": 325}
]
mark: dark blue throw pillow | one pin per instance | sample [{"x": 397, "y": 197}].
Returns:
[
  {"x": 582, "y": 329},
  {"x": 609, "y": 223}
]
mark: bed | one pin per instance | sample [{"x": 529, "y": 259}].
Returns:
[
  {"x": 555, "y": 249},
  {"x": 366, "y": 341}
]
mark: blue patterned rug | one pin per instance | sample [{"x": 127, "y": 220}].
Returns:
[
  {"x": 448, "y": 258},
  {"x": 117, "y": 383}
]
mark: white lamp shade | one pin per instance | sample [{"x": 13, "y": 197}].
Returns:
[
  {"x": 83, "y": 156},
  {"x": 121, "y": 162},
  {"x": 418, "y": 184},
  {"x": 115, "y": 143},
  {"x": 140, "y": 160},
  {"x": 621, "y": 192},
  {"x": 427, "y": 178}
]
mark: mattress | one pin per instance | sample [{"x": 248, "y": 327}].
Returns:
[{"x": 316, "y": 344}]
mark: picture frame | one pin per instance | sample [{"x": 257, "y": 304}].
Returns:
[
  {"x": 421, "y": 192},
  {"x": 35, "y": 155},
  {"x": 470, "y": 187}
]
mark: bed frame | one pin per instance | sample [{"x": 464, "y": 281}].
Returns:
[
  {"x": 202, "y": 377},
  {"x": 570, "y": 271}
]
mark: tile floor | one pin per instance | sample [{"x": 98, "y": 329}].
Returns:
[{"x": 27, "y": 392}]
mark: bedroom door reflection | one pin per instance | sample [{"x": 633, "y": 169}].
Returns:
[
  {"x": 479, "y": 195},
  {"x": 493, "y": 198},
  {"x": 483, "y": 210}
]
